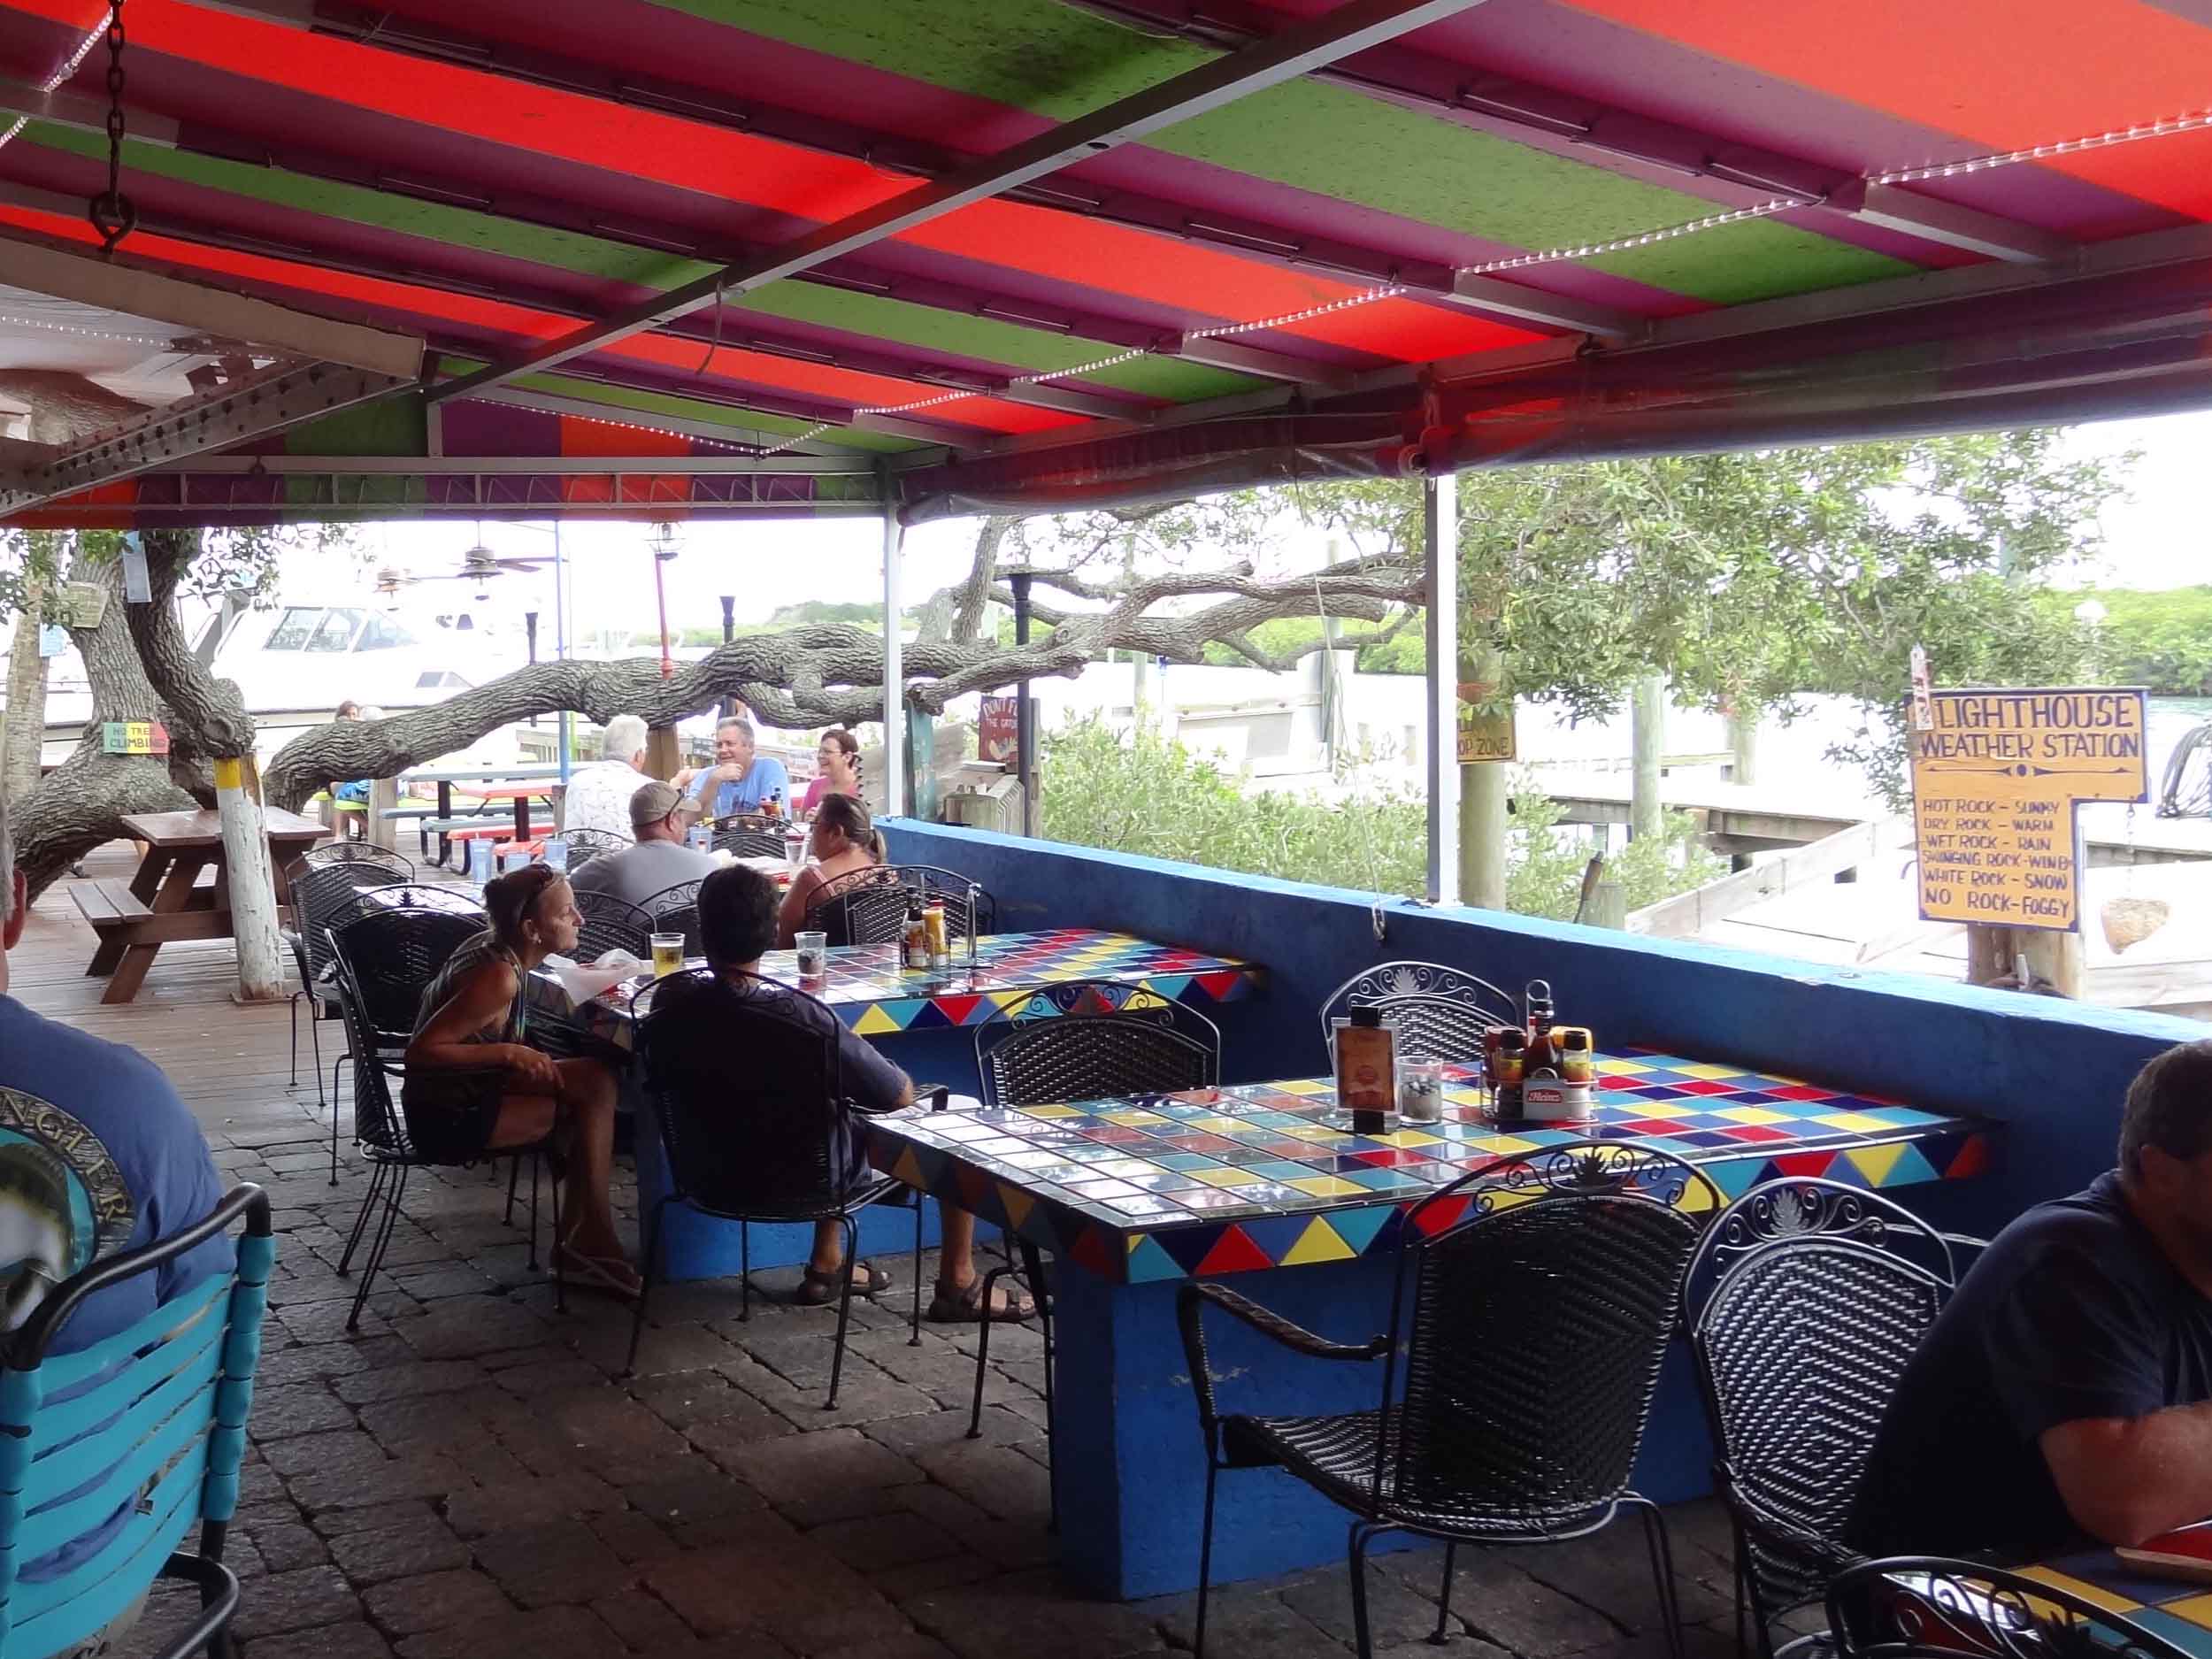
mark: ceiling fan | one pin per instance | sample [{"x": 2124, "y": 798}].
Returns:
[{"x": 478, "y": 565}]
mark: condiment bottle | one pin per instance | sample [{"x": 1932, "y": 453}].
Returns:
[
  {"x": 772, "y": 807},
  {"x": 1541, "y": 1055},
  {"x": 1512, "y": 1056},
  {"x": 1576, "y": 1061},
  {"x": 938, "y": 942},
  {"x": 1366, "y": 1072},
  {"x": 914, "y": 937}
]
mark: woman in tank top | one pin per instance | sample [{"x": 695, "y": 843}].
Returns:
[{"x": 474, "y": 1086}]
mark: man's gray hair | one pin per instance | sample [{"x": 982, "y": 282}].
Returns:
[
  {"x": 625, "y": 735},
  {"x": 741, "y": 723}
]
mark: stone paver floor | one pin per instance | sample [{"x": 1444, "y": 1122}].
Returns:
[{"x": 471, "y": 1476}]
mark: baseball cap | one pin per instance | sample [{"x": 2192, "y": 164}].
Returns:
[{"x": 653, "y": 801}]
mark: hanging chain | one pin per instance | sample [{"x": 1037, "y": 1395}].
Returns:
[{"x": 112, "y": 213}]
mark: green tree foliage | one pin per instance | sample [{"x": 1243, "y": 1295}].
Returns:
[
  {"x": 1148, "y": 796},
  {"x": 2161, "y": 640}
]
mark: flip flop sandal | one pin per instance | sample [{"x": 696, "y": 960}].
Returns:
[
  {"x": 965, "y": 1306},
  {"x": 819, "y": 1290},
  {"x": 610, "y": 1274}
]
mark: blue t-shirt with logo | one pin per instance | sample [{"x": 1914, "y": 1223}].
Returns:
[
  {"x": 97, "y": 1156},
  {"x": 763, "y": 777}
]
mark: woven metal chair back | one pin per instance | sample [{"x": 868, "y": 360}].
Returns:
[
  {"x": 584, "y": 845},
  {"x": 377, "y": 1123},
  {"x": 869, "y": 906},
  {"x": 1095, "y": 1041},
  {"x": 320, "y": 891},
  {"x": 673, "y": 898},
  {"x": 1535, "y": 1301},
  {"x": 1799, "y": 1343},
  {"x": 402, "y": 867},
  {"x": 392, "y": 956},
  {"x": 684, "y": 919},
  {"x": 1436, "y": 1012},
  {"x": 1807, "y": 1206},
  {"x": 746, "y": 1091},
  {"x": 611, "y": 923},
  {"x": 405, "y": 897},
  {"x": 750, "y": 842},
  {"x": 1931, "y": 1607}
]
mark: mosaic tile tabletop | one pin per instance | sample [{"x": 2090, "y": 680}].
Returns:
[
  {"x": 2178, "y": 1609},
  {"x": 876, "y": 997},
  {"x": 1173, "y": 1187}
]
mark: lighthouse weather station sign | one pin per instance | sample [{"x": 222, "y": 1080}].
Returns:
[{"x": 1996, "y": 778}]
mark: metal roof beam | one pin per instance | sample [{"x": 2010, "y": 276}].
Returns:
[
  {"x": 786, "y": 464},
  {"x": 547, "y": 403},
  {"x": 1524, "y": 304},
  {"x": 1350, "y": 27},
  {"x": 1268, "y": 365},
  {"x": 1949, "y": 224}
]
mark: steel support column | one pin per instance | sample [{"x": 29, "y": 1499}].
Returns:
[
  {"x": 893, "y": 663},
  {"x": 1439, "y": 556}
]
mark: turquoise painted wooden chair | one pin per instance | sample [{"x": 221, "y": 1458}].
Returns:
[{"x": 161, "y": 1408}]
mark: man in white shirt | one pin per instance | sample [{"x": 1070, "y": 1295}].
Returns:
[
  {"x": 599, "y": 795},
  {"x": 659, "y": 860}
]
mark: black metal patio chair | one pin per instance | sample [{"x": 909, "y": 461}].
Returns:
[
  {"x": 1438, "y": 1012},
  {"x": 584, "y": 845},
  {"x": 1534, "y": 1300},
  {"x": 757, "y": 1142},
  {"x": 1089, "y": 1039},
  {"x": 749, "y": 841},
  {"x": 384, "y": 961},
  {"x": 1933, "y": 1607},
  {"x": 1803, "y": 1305},
  {"x": 402, "y": 868},
  {"x": 317, "y": 888},
  {"x": 868, "y": 907},
  {"x": 610, "y": 922}
]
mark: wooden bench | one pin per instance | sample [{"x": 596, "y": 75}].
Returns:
[{"x": 130, "y": 931}]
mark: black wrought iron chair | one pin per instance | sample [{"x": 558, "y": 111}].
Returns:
[
  {"x": 384, "y": 961},
  {"x": 1804, "y": 1304},
  {"x": 1089, "y": 1039},
  {"x": 755, "y": 1141},
  {"x": 584, "y": 845},
  {"x": 1534, "y": 1300},
  {"x": 869, "y": 906},
  {"x": 610, "y": 922},
  {"x": 1931, "y": 1607},
  {"x": 316, "y": 889},
  {"x": 402, "y": 868},
  {"x": 749, "y": 841},
  {"x": 1438, "y": 1012}
]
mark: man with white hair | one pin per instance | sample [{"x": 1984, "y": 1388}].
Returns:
[
  {"x": 599, "y": 795},
  {"x": 97, "y": 1156}
]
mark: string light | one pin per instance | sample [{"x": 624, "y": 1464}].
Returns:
[
  {"x": 632, "y": 425},
  {"x": 72, "y": 328},
  {"x": 76, "y": 59},
  {"x": 2197, "y": 121}
]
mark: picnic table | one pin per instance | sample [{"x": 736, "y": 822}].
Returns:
[
  {"x": 499, "y": 780},
  {"x": 521, "y": 794},
  {"x": 164, "y": 901},
  {"x": 1266, "y": 1182}
]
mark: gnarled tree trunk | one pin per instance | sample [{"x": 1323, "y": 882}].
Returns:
[
  {"x": 81, "y": 802},
  {"x": 214, "y": 715}
]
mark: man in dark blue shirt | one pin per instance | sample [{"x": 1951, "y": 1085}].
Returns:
[
  {"x": 2061, "y": 1398},
  {"x": 97, "y": 1156}
]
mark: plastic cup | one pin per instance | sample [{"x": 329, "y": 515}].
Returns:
[
  {"x": 516, "y": 859},
  {"x": 668, "y": 955},
  {"x": 813, "y": 955},
  {"x": 481, "y": 868},
  {"x": 794, "y": 851},
  {"x": 557, "y": 854}
]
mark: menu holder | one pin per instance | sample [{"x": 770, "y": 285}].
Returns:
[{"x": 2184, "y": 1552}]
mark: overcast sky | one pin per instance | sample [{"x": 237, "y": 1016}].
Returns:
[{"x": 2157, "y": 538}]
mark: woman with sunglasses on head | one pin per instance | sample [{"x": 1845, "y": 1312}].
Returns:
[
  {"x": 845, "y": 843},
  {"x": 475, "y": 1087}
]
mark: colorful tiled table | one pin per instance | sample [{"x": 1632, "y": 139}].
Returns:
[
  {"x": 877, "y": 997},
  {"x": 1135, "y": 1197},
  {"x": 2175, "y": 1608},
  {"x": 925, "y": 1023}
]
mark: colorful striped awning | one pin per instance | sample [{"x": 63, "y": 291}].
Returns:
[{"x": 1294, "y": 237}]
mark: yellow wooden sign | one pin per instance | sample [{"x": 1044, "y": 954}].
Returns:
[
  {"x": 1996, "y": 776},
  {"x": 1485, "y": 722}
]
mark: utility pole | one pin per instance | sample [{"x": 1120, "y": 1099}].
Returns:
[
  {"x": 1440, "y": 554},
  {"x": 1649, "y": 735},
  {"x": 1024, "y": 714}
]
